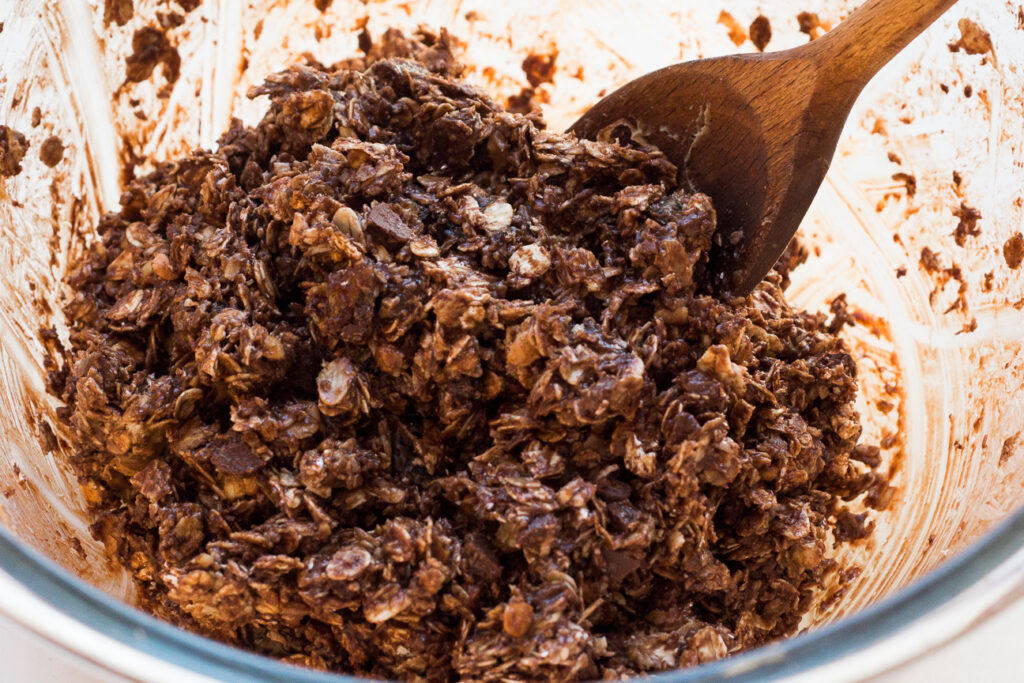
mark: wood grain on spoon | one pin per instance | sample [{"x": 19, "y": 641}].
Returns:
[{"x": 757, "y": 132}]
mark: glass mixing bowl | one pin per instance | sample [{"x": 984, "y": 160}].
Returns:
[{"x": 939, "y": 130}]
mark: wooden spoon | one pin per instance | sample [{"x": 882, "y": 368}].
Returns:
[{"x": 757, "y": 132}]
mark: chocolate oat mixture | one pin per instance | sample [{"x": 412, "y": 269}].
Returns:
[{"x": 402, "y": 384}]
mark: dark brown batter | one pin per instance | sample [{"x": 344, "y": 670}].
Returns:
[{"x": 401, "y": 384}]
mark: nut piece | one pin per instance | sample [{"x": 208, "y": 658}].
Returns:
[
  {"x": 336, "y": 386},
  {"x": 530, "y": 261},
  {"x": 347, "y": 221},
  {"x": 498, "y": 217},
  {"x": 348, "y": 563},
  {"x": 518, "y": 618}
]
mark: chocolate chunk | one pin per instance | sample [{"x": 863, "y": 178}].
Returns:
[
  {"x": 385, "y": 218},
  {"x": 234, "y": 457}
]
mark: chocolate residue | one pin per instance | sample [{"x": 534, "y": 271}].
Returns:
[
  {"x": 1013, "y": 251},
  {"x": 526, "y": 100},
  {"x": 540, "y": 68},
  {"x": 908, "y": 180},
  {"x": 13, "y": 146},
  {"x": 974, "y": 40},
  {"x": 150, "y": 47},
  {"x": 968, "y": 225},
  {"x": 1008, "y": 448},
  {"x": 37, "y": 116},
  {"x": 761, "y": 32},
  {"x": 737, "y": 34},
  {"x": 170, "y": 20},
  {"x": 322, "y": 5},
  {"x": 932, "y": 264},
  {"x": 119, "y": 12},
  {"x": 51, "y": 151},
  {"x": 930, "y": 261},
  {"x": 811, "y": 25}
]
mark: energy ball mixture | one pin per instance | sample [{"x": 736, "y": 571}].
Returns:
[{"x": 402, "y": 384}]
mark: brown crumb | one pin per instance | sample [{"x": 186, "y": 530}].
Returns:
[
  {"x": 968, "y": 90},
  {"x": 51, "y": 151},
  {"x": 841, "y": 315},
  {"x": 1008, "y": 448},
  {"x": 908, "y": 180},
  {"x": 150, "y": 48},
  {"x": 736, "y": 32},
  {"x": 969, "y": 326},
  {"x": 968, "y": 225},
  {"x": 901, "y": 271},
  {"x": 1013, "y": 251},
  {"x": 13, "y": 146},
  {"x": 540, "y": 68},
  {"x": 37, "y": 116},
  {"x": 117, "y": 11},
  {"x": 527, "y": 100},
  {"x": 760, "y": 32},
  {"x": 169, "y": 20},
  {"x": 986, "y": 285},
  {"x": 930, "y": 260},
  {"x": 322, "y": 5},
  {"x": 974, "y": 40},
  {"x": 895, "y": 158},
  {"x": 811, "y": 25}
]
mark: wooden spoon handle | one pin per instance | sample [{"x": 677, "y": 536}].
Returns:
[{"x": 865, "y": 42}]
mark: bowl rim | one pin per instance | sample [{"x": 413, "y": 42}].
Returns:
[{"x": 1000, "y": 548}]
